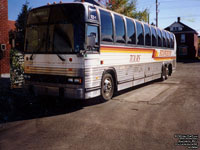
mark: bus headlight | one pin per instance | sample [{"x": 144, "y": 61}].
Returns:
[
  {"x": 27, "y": 77},
  {"x": 70, "y": 80}
]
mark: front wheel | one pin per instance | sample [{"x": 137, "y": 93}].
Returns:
[{"x": 107, "y": 86}]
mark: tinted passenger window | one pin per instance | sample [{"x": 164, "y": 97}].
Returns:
[
  {"x": 120, "y": 29},
  {"x": 172, "y": 41},
  {"x": 140, "y": 34},
  {"x": 154, "y": 36},
  {"x": 159, "y": 38},
  {"x": 168, "y": 40},
  {"x": 147, "y": 35},
  {"x": 164, "y": 39},
  {"x": 130, "y": 31},
  {"x": 106, "y": 26}
]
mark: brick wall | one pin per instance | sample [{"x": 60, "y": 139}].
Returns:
[
  {"x": 190, "y": 43},
  {"x": 4, "y": 39}
]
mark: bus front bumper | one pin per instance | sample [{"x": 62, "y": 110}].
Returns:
[
  {"x": 77, "y": 93},
  {"x": 74, "y": 93}
]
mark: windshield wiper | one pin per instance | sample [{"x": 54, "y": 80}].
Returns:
[{"x": 61, "y": 58}]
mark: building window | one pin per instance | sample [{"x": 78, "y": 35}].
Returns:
[
  {"x": 120, "y": 29},
  {"x": 183, "y": 51},
  {"x": 130, "y": 31},
  {"x": 106, "y": 26},
  {"x": 182, "y": 38}
]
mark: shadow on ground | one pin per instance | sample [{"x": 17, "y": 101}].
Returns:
[
  {"x": 16, "y": 104},
  {"x": 188, "y": 61}
]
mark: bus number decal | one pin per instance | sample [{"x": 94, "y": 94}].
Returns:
[
  {"x": 135, "y": 58},
  {"x": 93, "y": 17}
]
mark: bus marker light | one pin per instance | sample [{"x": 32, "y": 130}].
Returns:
[
  {"x": 70, "y": 59},
  {"x": 102, "y": 62},
  {"x": 70, "y": 69},
  {"x": 77, "y": 80}
]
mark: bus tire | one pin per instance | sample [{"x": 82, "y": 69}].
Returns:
[
  {"x": 165, "y": 73},
  {"x": 170, "y": 70},
  {"x": 107, "y": 87}
]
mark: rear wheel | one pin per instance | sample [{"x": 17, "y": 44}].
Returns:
[
  {"x": 170, "y": 70},
  {"x": 165, "y": 73},
  {"x": 107, "y": 86}
]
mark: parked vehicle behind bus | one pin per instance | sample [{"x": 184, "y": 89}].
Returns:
[{"x": 79, "y": 50}]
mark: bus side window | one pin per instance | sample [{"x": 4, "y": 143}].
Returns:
[
  {"x": 106, "y": 26},
  {"x": 172, "y": 40},
  {"x": 168, "y": 40},
  {"x": 164, "y": 39},
  {"x": 92, "y": 38},
  {"x": 130, "y": 31},
  {"x": 119, "y": 29},
  {"x": 140, "y": 34},
  {"x": 154, "y": 36},
  {"x": 159, "y": 38},
  {"x": 147, "y": 35}
]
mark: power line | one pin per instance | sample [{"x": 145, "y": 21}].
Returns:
[{"x": 180, "y": 16}]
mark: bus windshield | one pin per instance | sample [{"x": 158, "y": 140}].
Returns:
[{"x": 55, "y": 29}]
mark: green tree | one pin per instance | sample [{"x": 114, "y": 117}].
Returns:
[
  {"x": 128, "y": 8},
  {"x": 21, "y": 26}
]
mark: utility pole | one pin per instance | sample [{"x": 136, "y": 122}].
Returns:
[{"x": 156, "y": 13}]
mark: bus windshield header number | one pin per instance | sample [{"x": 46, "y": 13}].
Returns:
[{"x": 93, "y": 13}]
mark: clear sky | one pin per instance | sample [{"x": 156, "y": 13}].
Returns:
[{"x": 169, "y": 10}]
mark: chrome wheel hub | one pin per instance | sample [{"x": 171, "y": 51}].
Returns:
[{"x": 107, "y": 86}]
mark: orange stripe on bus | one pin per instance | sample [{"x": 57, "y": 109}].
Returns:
[
  {"x": 124, "y": 50},
  {"x": 155, "y": 54},
  {"x": 164, "y": 58}
]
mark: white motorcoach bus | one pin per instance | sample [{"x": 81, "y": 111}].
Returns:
[{"x": 79, "y": 50}]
